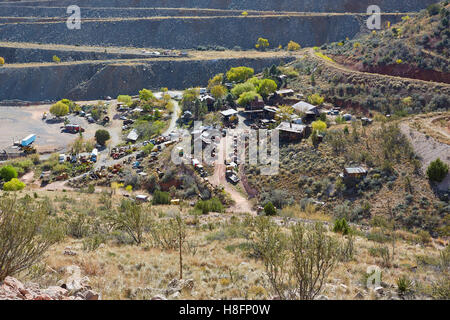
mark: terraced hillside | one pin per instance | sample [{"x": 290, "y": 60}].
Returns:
[
  {"x": 266, "y": 5},
  {"x": 115, "y": 37}
]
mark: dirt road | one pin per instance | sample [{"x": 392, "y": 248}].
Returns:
[{"x": 242, "y": 204}]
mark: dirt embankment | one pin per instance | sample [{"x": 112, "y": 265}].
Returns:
[
  {"x": 93, "y": 80},
  {"x": 403, "y": 70},
  {"x": 269, "y": 5}
]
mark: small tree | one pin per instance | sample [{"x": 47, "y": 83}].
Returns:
[
  {"x": 7, "y": 173},
  {"x": 293, "y": 46},
  {"x": 437, "y": 170},
  {"x": 219, "y": 91},
  {"x": 269, "y": 209},
  {"x": 124, "y": 99},
  {"x": 247, "y": 97},
  {"x": 240, "y": 74},
  {"x": 319, "y": 126},
  {"x": 56, "y": 59},
  {"x": 262, "y": 44},
  {"x": 297, "y": 264},
  {"x": 160, "y": 197},
  {"x": 13, "y": 185},
  {"x": 101, "y": 136},
  {"x": 130, "y": 218},
  {"x": 27, "y": 230},
  {"x": 146, "y": 95},
  {"x": 266, "y": 87},
  {"x": 181, "y": 231},
  {"x": 316, "y": 99},
  {"x": 2, "y": 61},
  {"x": 59, "y": 109}
]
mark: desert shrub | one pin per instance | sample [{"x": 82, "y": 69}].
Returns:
[
  {"x": 211, "y": 205},
  {"x": 347, "y": 250},
  {"x": 27, "y": 230},
  {"x": 13, "y": 185},
  {"x": 404, "y": 285},
  {"x": 94, "y": 241},
  {"x": 293, "y": 46},
  {"x": 341, "y": 226},
  {"x": 437, "y": 170},
  {"x": 433, "y": 9},
  {"x": 441, "y": 288},
  {"x": 296, "y": 264},
  {"x": 130, "y": 218},
  {"x": 161, "y": 197},
  {"x": 8, "y": 172},
  {"x": 279, "y": 198},
  {"x": 166, "y": 234},
  {"x": 78, "y": 225},
  {"x": 269, "y": 209}
]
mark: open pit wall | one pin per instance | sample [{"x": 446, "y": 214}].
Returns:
[{"x": 95, "y": 80}]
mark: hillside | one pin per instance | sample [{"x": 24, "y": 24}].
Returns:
[{"x": 417, "y": 47}]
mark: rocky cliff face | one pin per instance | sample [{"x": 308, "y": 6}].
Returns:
[
  {"x": 95, "y": 80},
  {"x": 183, "y": 33},
  {"x": 279, "y": 5}
]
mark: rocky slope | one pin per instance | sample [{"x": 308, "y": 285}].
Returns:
[
  {"x": 92, "y": 80},
  {"x": 281, "y": 5}
]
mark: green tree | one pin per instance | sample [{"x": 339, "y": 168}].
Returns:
[
  {"x": 243, "y": 87},
  {"x": 130, "y": 218},
  {"x": 215, "y": 81},
  {"x": 293, "y": 46},
  {"x": 56, "y": 59},
  {"x": 101, "y": 136},
  {"x": 297, "y": 264},
  {"x": 190, "y": 96},
  {"x": 160, "y": 197},
  {"x": 146, "y": 95},
  {"x": 316, "y": 99},
  {"x": 240, "y": 74},
  {"x": 13, "y": 185},
  {"x": 262, "y": 44},
  {"x": 219, "y": 91},
  {"x": 27, "y": 230},
  {"x": 437, "y": 170},
  {"x": 247, "y": 97},
  {"x": 284, "y": 113},
  {"x": 269, "y": 209},
  {"x": 59, "y": 109},
  {"x": 319, "y": 126},
  {"x": 126, "y": 99},
  {"x": 266, "y": 87},
  {"x": 8, "y": 172}
]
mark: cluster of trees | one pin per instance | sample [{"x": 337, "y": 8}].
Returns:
[
  {"x": 253, "y": 88},
  {"x": 9, "y": 174}
]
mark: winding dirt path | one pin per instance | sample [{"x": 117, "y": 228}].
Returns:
[{"x": 242, "y": 204}]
